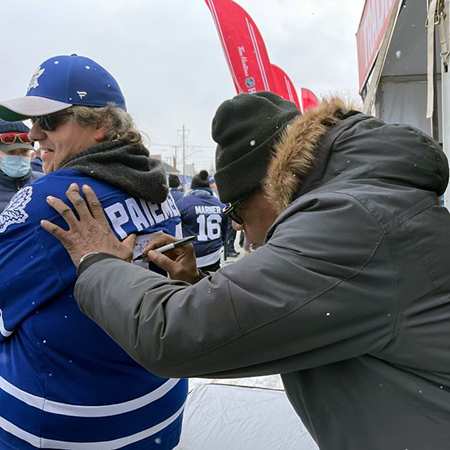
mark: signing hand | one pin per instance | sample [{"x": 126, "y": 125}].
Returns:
[
  {"x": 179, "y": 263},
  {"x": 89, "y": 234}
]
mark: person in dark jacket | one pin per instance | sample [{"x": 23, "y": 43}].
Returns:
[
  {"x": 15, "y": 158},
  {"x": 230, "y": 238},
  {"x": 65, "y": 384},
  {"x": 347, "y": 295},
  {"x": 202, "y": 216},
  {"x": 174, "y": 185},
  {"x": 36, "y": 162}
]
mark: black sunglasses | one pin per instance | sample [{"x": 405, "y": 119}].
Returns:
[
  {"x": 231, "y": 212},
  {"x": 49, "y": 122}
]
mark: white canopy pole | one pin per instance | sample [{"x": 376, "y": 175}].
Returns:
[{"x": 444, "y": 35}]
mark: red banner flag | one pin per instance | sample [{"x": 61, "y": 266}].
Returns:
[
  {"x": 284, "y": 86},
  {"x": 243, "y": 46},
  {"x": 309, "y": 100}
]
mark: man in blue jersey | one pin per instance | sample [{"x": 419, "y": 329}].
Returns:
[
  {"x": 202, "y": 216},
  {"x": 64, "y": 384}
]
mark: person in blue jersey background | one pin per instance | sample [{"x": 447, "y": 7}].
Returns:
[
  {"x": 64, "y": 384},
  {"x": 175, "y": 187},
  {"x": 15, "y": 160},
  {"x": 202, "y": 216}
]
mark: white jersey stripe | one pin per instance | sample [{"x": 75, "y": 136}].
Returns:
[
  {"x": 38, "y": 442},
  {"x": 35, "y": 441},
  {"x": 67, "y": 409},
  {"x": 3, "y": 330},
  {"x": 258, "y": 55},
  {"x": 209, "y": 259}
]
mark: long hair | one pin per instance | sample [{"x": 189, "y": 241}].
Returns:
[{"x": 117, "y": 123}]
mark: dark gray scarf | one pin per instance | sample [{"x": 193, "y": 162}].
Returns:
[{"x": 126, "y": 166}]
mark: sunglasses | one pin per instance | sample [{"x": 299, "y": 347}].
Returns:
[
  {"x": 231, "y": 209},
  {"x": 50, "y": 122},
  {"x": 11, "y": 138}
]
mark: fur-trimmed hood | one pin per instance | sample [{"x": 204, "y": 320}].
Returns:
[{"x": 333, "y": 142}]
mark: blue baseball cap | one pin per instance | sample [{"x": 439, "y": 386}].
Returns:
[{"x": 61, "y": 82}]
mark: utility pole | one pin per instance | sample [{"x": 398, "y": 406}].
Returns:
[
  {"x": 183, "y": 137},
  {"x": 175, "y": 157},
  {"x": 186, "y": 151}
]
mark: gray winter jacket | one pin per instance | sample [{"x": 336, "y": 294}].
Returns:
[{"x": 349, "y": 299}]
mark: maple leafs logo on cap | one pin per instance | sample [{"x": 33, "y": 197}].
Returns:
[{"x": 34, "y": 79}]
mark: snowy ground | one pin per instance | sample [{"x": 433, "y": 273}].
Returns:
[{"x": 271, "y": 382}]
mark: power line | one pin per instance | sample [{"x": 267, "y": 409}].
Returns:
[
  {"x": 187, "y": 150},
  {"x": 171, "y": 145}
]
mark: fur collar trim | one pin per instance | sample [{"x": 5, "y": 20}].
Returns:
[{"x": 295, "y": 152}]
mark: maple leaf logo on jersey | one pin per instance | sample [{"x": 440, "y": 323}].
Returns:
[{"x": 15, "y": 211}]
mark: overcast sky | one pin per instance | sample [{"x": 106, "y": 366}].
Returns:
[{"x": 167, "y": 57}]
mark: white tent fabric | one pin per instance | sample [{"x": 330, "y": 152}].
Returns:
[
  {"x": 405, "y": 102},
  {"x": 222, "y": 417}
]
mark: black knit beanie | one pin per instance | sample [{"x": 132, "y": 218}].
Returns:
[
  {"x": 174, "y": 180},
  {"x": 200, "y": 180},
  {"x": 245, "y": 129}
]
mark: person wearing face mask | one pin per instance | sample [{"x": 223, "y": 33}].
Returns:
[{"x": 15, "y": 160}]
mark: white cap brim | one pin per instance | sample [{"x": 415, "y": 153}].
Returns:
[{"x": 25, "y": 107}]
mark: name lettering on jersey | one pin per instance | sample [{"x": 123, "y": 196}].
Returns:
[
  {"x": 141, "y": 213},
  {"x": 208, "y": 209}
]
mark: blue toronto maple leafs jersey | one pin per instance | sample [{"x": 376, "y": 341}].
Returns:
[
  {"x": 202, "y": 216},
  {"x": 64, "y": 384}
]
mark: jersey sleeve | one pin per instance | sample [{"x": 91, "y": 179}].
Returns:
[{"x": 34, "y": 266}]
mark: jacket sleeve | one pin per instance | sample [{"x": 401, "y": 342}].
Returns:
[{"x": 321, "y": 290}]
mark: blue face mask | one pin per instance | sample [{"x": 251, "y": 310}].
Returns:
[{"x": 15, "y": 166}]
